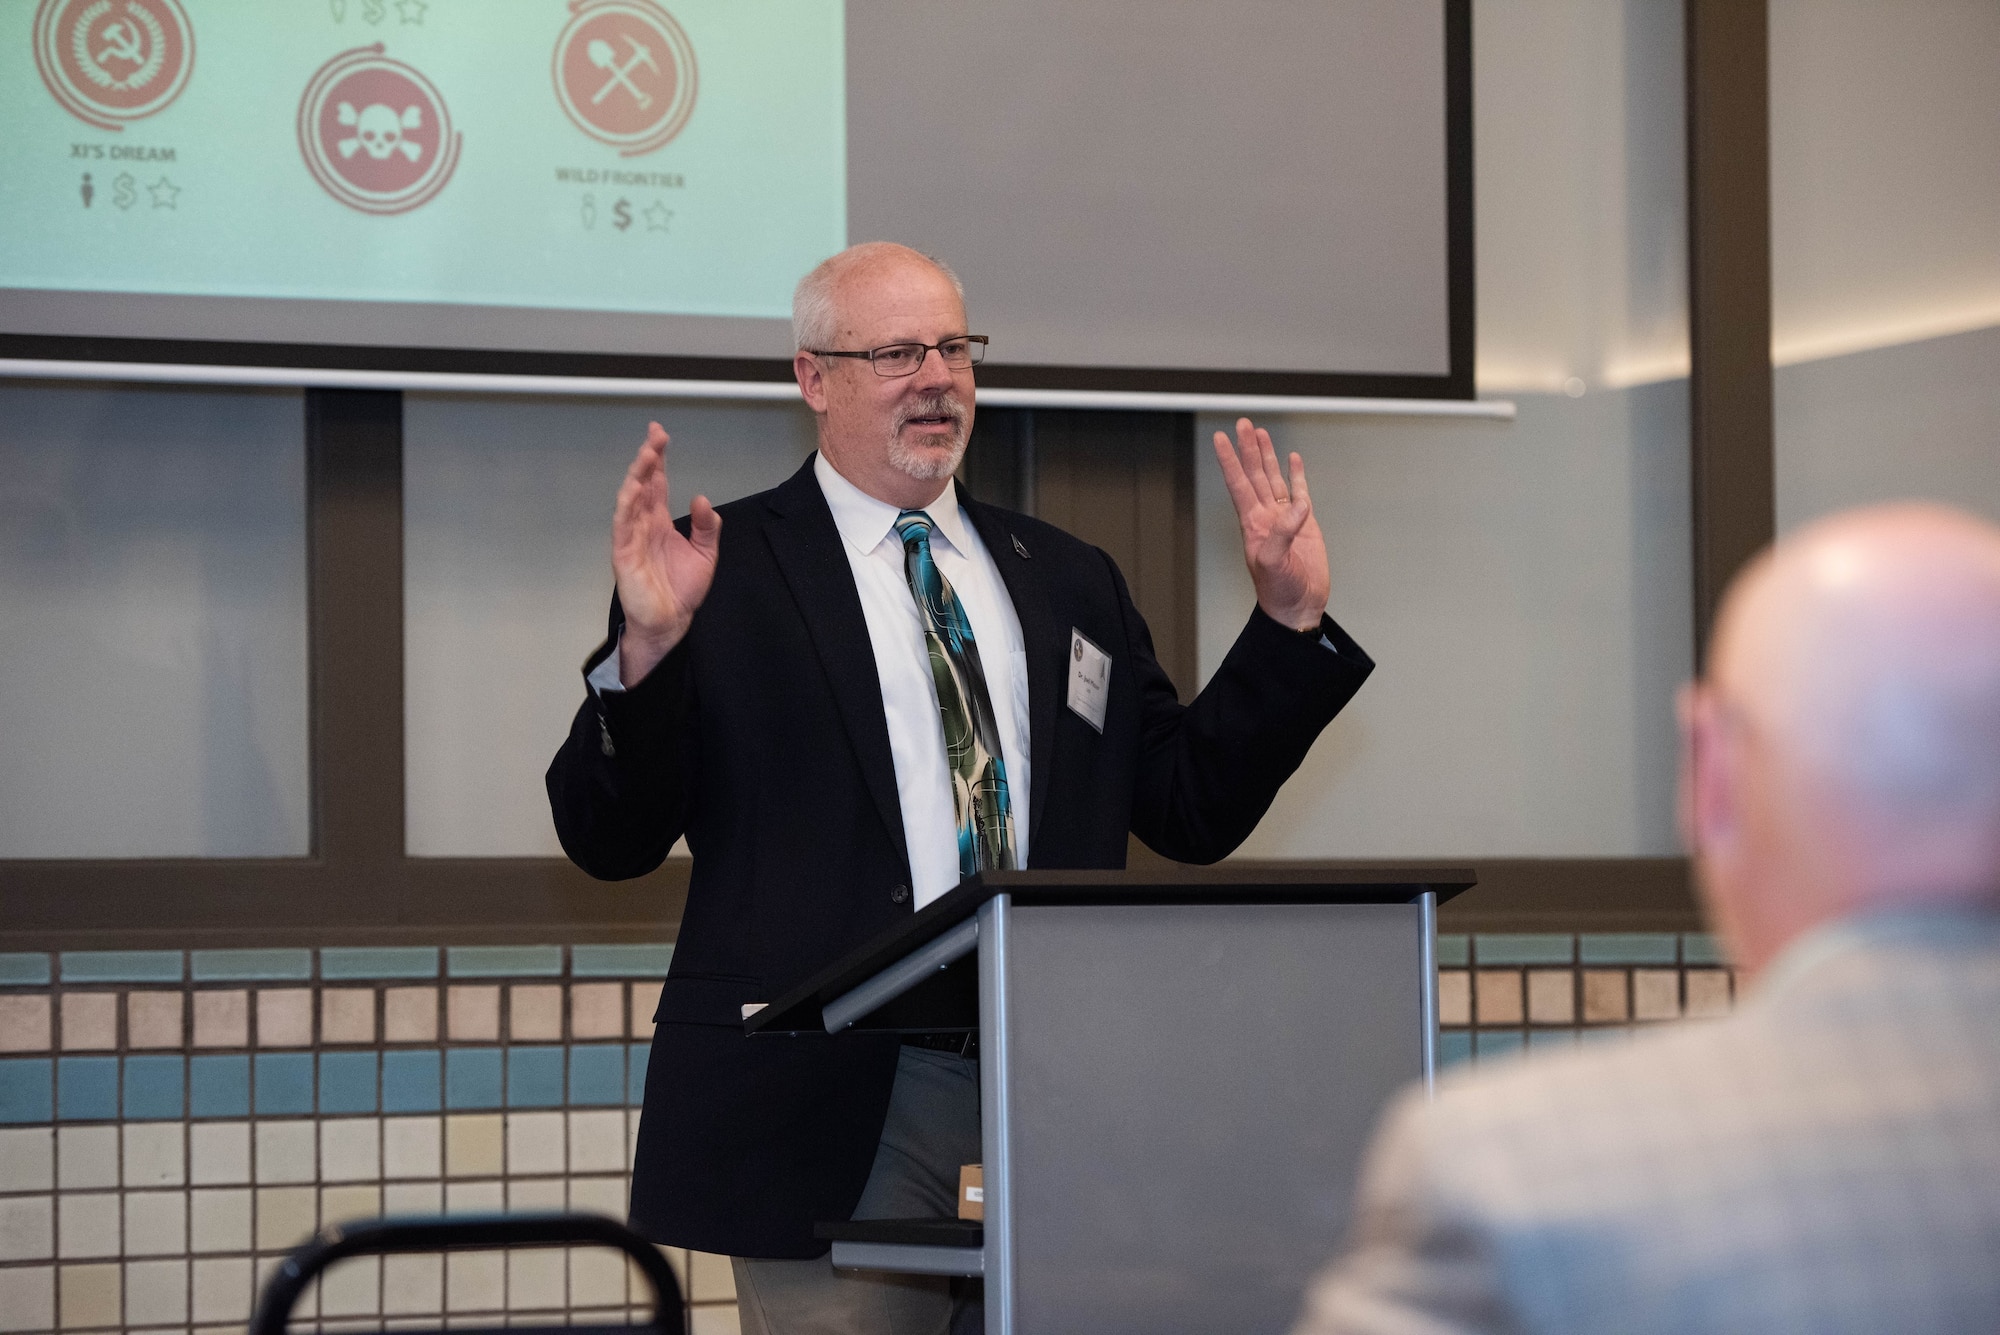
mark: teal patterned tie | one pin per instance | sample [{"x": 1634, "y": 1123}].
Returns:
[{"x": 971, "y": 734}]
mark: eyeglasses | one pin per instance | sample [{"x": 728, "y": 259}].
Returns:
[{"x": 901, "y": 359}]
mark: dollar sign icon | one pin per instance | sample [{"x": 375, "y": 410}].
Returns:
[
  {"x": 622, "y": 214},
  {"x": 123, "y": 193}
]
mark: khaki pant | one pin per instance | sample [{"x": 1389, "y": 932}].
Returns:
[{"x": 932, "y": 1128}]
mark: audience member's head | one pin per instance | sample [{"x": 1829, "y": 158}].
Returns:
[{"x": 1842, "y": 752}]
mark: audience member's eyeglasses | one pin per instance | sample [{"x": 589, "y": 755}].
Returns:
[{"x": 901, "y": 359}]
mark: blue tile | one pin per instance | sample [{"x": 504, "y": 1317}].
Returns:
[
  {"x": 122, "y": 966},
  {"x": 27, "y": 1089},
  {"x": 503, "y": 961},
  {"x": 347, "y": 1082},
  {"x": 534, "y": 1077},
  {"x": 378, "y": 962},
  {"x": 638, "y": 961},
  {"x": 1454, "y": 1046},
  {"x": 1524, "y": 948},
  {"x": 1492, "y": 1043},
  {"x": 283, "y": 1083},
  {"x": 155, "y": 1088},
  {"x": 214, "y": 966},
  {"x": 1701, "y": 948},
  {"x": 597, "y": 1074},
  {"x": 219, "y": 1086},
  {"x": 636, "y": 1080},
  {"x": 410, "y": 1081},
  {"x": 86, "y": 1088},
  {"x": 472, "y": 1078},
  {"x": 1454, "y": 950},
  {"x": 1542, "y": 1039},
  {"x": 1629, "y": 947},
  {"x": 17, "y": 969}
]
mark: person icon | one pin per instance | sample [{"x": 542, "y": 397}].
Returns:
[{"x": 89, "y": 190}]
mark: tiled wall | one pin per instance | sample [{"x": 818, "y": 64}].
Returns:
[{"x": 171, "y": 1123}]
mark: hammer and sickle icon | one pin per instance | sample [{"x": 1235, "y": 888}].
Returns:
[{"x": 124, "y": 44}]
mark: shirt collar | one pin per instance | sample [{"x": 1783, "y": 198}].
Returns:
[{"x": 864, "y": 521}]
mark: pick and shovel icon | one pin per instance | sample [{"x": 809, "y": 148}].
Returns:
[{"x": 605, "y": 57}]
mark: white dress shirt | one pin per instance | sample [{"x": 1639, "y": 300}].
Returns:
[{"x": 909, "y": 695}]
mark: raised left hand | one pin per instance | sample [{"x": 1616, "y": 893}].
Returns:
[{"x": 1281, "y": 539}]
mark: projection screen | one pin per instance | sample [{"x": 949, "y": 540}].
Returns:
[{"x": 1263, "y": 197}]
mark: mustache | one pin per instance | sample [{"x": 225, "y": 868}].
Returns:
[{"x": 932, "y": 403}]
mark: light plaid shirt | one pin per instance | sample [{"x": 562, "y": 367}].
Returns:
[{"x": 1825, "y": 1159}]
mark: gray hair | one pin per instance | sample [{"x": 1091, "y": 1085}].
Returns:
[{"x": 815, "y": 309}]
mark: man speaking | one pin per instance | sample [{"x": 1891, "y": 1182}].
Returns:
[{"x": 847, "y": 693}]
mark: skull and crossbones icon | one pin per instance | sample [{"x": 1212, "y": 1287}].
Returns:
[
  {"x": 379, "y": 129},
  {"x": 605, "y": 57}
]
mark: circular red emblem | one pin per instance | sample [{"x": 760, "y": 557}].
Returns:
[
  {"x": 376, "y": 133},
  {"x": 625, "y": 73},
  {"x": 112, "y": 61}
]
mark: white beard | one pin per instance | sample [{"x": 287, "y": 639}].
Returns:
[{"x": 923, "y": 465}]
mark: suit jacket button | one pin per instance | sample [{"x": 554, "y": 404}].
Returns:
[{"x": 900, "y": 895}]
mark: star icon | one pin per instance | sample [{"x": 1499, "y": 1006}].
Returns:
[
  {"x": 164, "y": 193},
  {"x": 411, "y": 11},
  {"x": 657, "y": 216}
]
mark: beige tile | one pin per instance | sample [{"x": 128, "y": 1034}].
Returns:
[
  {"x": 347, "y": 1015},
  {"x": 410, "y": 1015},
  {"x": 89, "y": 1021},
  {"x": 1551, "y": 996},
  {"x": 597, "y": 1141},
  {"x": 222, "y": 1290},
  {"x": 410, "y": 1147},
  {"x": 27, "y": 1298},
  {"x": 534, "y": 1012},
  {"x": 535, "y": 1280},
  {"x": 645, "y": 1000},
  {"x": 285, "y": 1152},
  {"x": 154, "y": 1019},
  {"x": 597, "y": 1010},
  {"x": 1656, "y": 994},
  {"x": 722, "y": 1320},
  {"x": 339, "y": 1204},
  {"x": 474, "y": 1197},
  {"x": 600, "y": 1195},
  {"x": 473, "y": 1012},
  {"x": 27, "y": 1159},
  {"x": 87, "y": 1225},
  {"x": 156, "y": 1292},
  {"x": 473, "y": 1281},
  {"x": 24, "y": 1022},
  {"x": 286, "y": 1216},
  {"x": 472, "y": 1145},
  {"x": 90, "y": 1295},
  {"x": 222, "y": 1019},
  {"x": 219, "y": 1153},
  {"x": 412, "y": 1285},
  {"x": 413, "y": 1198},
  {"x": 596, "y": 1277},
  {"x": 1454, "y": 996},
  {"x": 535, "y": 1144},
  {"x": 352, "y": 1288},
  {"x": 27, "y": 1228},
  {"x": 219, "y": 1220},
  {"x": 156, "y": 1223},
  {"x": 535, "y": 1193},
  {"x": 350, "y": 1149},
  {"x": 86, "y": 1156},
  {"x": 155, "y": 1154},
  {"x": 710, "y": 1278},
  {"x": 1604, "y": 997},
  {"x": 284, "y": 1017},
  {"x": 1497, "y": 995},
  {"x": 1707, "y": 993}
]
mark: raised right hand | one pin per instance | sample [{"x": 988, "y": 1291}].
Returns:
[{"x": 662, "y": 576}]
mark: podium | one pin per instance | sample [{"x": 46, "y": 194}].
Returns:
[{"x": 1179, "y": 1071}]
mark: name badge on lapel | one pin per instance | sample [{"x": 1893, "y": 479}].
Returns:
[{"x": 1089, "y": 679}]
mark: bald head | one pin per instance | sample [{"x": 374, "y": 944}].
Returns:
[
  {"x": 816, "y": 302},
  {"x": 1845, "y": 747}
]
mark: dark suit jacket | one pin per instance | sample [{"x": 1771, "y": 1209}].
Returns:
[{"x": 762, "y": 739}]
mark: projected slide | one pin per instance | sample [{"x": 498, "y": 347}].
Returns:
[{"x": 679, "y": 158}]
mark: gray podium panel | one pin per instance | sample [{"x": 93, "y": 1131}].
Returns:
[{"x": 1188, "y": 1091}]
